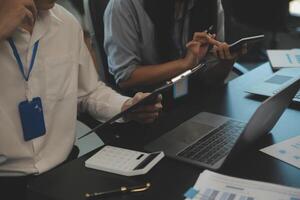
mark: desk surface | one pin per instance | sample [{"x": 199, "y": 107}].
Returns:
[{"x": 171, "y": 178}]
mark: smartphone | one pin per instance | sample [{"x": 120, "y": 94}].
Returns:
[{"x": 236, "y": 46}]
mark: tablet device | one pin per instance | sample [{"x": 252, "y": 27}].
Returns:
[
  {"x": 150, "y": 99},
  {"x": 236, "y": 46}
]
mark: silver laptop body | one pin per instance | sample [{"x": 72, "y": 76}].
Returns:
[
  {"x": 200, "y": 140},
  {"x": 275, "y": 82}
]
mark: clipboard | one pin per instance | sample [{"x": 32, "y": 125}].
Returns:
[{"x": 149, "y": 99}]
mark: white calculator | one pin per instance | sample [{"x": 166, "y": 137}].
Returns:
[{"x": 123, "y": 161}]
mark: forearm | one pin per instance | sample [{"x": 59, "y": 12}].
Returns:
[
  {"x": 102, "y": 102},
  {"x": 153, "y": 74}
]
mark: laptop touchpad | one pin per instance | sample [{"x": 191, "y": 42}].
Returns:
[
  {"x": 190, "y": 132},
  {"x": 180, "y": 137}
]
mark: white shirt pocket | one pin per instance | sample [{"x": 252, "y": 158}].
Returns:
[{"x": 61, "y": 77}]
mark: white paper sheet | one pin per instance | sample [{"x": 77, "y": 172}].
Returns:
[
  {"x": 213, "y": 186},
  {"x": 284, "y": 58},
  {"x": 287, "y": 151}
]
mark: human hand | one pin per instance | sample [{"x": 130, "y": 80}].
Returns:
[
  {"x": 14, "y": 13},
  {"x": 198, "y": 47},
  {"x": 221, "y": 51},
  {"x": 145, "y": 113}
]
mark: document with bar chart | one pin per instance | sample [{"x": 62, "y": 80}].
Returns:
[
  {"x": 284, "y": 58},
  {"x": 213, "y": 186},
  {"x": 287, "y": 151}
]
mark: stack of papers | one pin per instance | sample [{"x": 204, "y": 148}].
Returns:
[
  {"x": 213, "y": 186},
  {"x": 284, "y": 58},
  {"x": 287, "y": 151}
]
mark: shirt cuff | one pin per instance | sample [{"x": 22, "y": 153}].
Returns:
[{"x": 116, "y": 106}]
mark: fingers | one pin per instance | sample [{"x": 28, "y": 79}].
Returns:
[
  {"x": 29, "y": 17},
  {"x": 193, "y": 44},
  {"x": 138, "y": 97},
  {"x": 146, "y": 116},
  {"x": 147, "y": 113},
  {"x": 15, "y": 12},
  {"x": 159, "y": 98},
  {"x": 205, "y": 38},
  {"x": 30, "y": 6},
  {"x": 155, "y": 107},
  {"x": 201, "y": 36},
  {"x": 220, "y": 49},
  {"x": 142, "y": 117},
  {"x": 198, "y": 47},
  {"x": 219, "y": 52},
  {"x": 227, "y": 54},
  {"x": 150, "y": 108},
  {"x": 222, "y": 52},
  {"x": 196, "y": 51},
  {"x": 213, "y": 41}
]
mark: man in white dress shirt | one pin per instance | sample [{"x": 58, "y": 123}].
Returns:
[{"x": 46, "y": 76}]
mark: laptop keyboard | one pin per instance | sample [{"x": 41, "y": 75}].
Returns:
[
  {"x": 297, "y": 96},
  {"x": 215, "y": 145}
]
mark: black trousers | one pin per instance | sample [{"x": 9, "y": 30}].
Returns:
[{"x": 15, "y": 188}]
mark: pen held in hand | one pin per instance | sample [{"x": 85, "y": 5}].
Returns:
[
  {"x": 209, "y": 30},
  {"x": 119, "y": 191}
]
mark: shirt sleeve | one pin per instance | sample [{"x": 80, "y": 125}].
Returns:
[
  {"x": 93, "y": 95},
  {"x": 121, "y": 41}
]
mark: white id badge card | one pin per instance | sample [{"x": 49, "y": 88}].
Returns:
[{"x": 180, "y": 88}]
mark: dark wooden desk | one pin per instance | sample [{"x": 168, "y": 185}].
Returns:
[{"x": 171, "y": 178}]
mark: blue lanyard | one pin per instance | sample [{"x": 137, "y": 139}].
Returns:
[{"x": 19, "y": 61}]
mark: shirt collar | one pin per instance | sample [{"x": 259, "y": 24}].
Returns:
[
  {"x": 54, "y": 17},
  {"x": 46, "y": 20}
]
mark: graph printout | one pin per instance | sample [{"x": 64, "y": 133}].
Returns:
[
  {"x": 213, "y": 186},
  {"x": 287, "y": 151}
]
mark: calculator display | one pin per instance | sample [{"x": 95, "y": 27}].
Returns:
[{"x": 146, "y": 161}]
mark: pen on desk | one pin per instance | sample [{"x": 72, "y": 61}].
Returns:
[{"x": 121, "y": 190}]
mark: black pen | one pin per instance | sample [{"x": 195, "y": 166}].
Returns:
[
  {"x": 209, "y": 30},
  {"x": 210, "y": 33},
  {"x": 121, "y": 190}
]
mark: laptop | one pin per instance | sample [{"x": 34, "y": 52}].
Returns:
[
  {"x": 209, "y": 140},
  {"x": 275, "y": 82}
]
